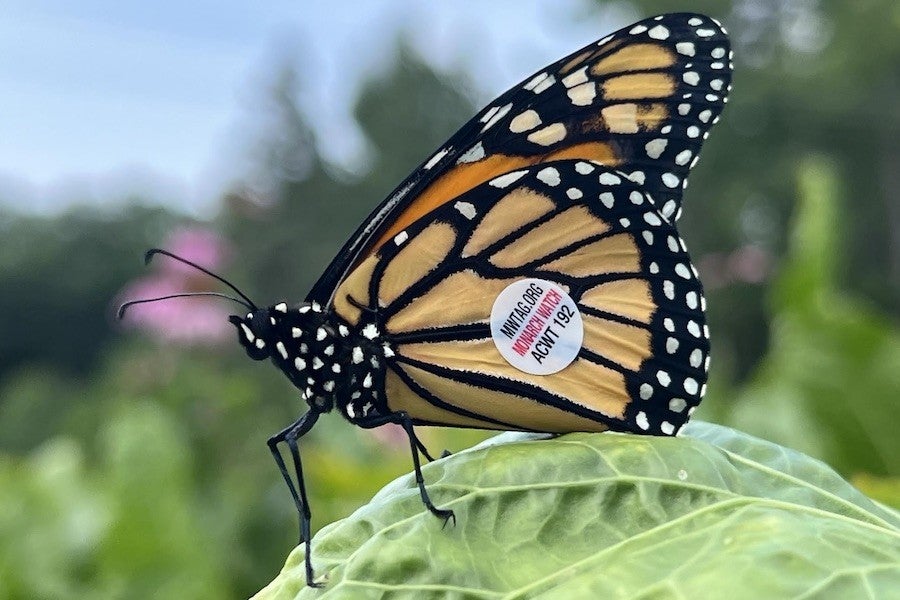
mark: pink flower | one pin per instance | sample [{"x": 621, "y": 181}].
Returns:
[
  {"x": 201, "y": 246},
  {"x": 181, "y": 320},
  {"x": 391, "y": 435},
  {"x": 747, "y": 264}
]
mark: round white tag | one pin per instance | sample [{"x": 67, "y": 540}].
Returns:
[{"x": 536, "y": 326}]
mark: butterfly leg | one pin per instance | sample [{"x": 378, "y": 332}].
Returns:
[
  {"x": 402, "y": 419},
  {"x": 290, "y": 435},
  {"x": 441, "y": 513}
]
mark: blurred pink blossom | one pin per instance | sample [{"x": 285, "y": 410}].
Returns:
[
  {"x": 391, "y": 435},
  {"x": 182, "y": 320},
  {"x": 747, "y": 264},
  {"x": 201, "y": 246}
]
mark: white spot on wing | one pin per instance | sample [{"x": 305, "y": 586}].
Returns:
[
  {"x": 652, "y": 219},
  {"x": 548, "y": 135},
  {"x": 499, "y": 114},
  {"x": 524, "y": 121},
  {"x": 670, "y": 180},
  {"x": 656, "y": 147},
  {"x": 473, "y": 154},
  {"x": 659, "y": 32},
  {"x": 696, "y": 357},
  {"x": 576, "y": 78},
  {"x": 466, "y": 209},
  {"x": 609, "y": 179},
  {"x": 663, "y": 378},
  {"x": 693, "y": 328},
  {"x": 436, "y": 159},
  {"x": 535, "y": 81},
  {"x": 637, "y": 177},
  {"x": 686, "y": 48},
  {"x": 641, "y": 420},
  {"x": 677, "y": 405},
  {"x": 690, "y": 385},
  {"x": 549, "y": 175},
  {"x": 508, "y": 179},
  {"x": 544, "y": 84},
  {"x": 671, "y": 345},
  {"x": 584, "y": 94}
]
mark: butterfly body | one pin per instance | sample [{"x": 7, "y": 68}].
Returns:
[{"x": 331, "y": 362}]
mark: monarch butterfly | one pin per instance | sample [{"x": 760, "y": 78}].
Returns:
[{"x": 528, "y": 275}]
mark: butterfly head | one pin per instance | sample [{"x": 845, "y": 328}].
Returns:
[
  {"x": 255, "y": 333},
  {"x": 265, "y": 331},
  {"x": 303, "y": 341}
]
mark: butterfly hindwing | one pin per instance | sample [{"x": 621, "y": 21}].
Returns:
[
  {"x": 641, "y": 100},
  {"x": 580, "y": 225}
]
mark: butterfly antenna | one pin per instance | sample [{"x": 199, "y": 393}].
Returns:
[
  {"x": 126, "y": 305},
  {"x": 154, "y": 251}
]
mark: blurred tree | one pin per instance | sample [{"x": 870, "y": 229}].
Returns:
[
  {"x": 288, "y": 237},
  {"x": 58, "y": 275},
  {"x": 829, "y": 383}
]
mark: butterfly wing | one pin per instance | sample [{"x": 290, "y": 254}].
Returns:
[
  {"x": 578, "y": 224},
  {"x": 642, "y": 100}
]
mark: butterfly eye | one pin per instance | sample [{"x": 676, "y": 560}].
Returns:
[{"x": 253, "y": 340}]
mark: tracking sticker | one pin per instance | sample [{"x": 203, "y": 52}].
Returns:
[{"x": 536, "y": 326}]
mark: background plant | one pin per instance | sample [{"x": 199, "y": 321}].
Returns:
[{"x": 133, "y": 463}]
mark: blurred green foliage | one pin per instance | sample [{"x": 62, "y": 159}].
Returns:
[{"x": 130, "y": 469}]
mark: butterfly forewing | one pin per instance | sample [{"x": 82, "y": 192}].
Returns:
[
  {"x": 580, "y": 225},
  {"x": 641, "y": 100}
]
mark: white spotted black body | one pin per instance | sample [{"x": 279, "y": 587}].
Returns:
[{"x": 331, "y": 362}]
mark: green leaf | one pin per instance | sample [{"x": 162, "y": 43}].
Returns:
[{"x": 709, "y": 513}]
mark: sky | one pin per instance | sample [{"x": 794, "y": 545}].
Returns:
[{"x": 100, "y": 101}]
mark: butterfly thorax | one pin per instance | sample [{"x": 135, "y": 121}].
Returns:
[{"x": 331, "y": 362}]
